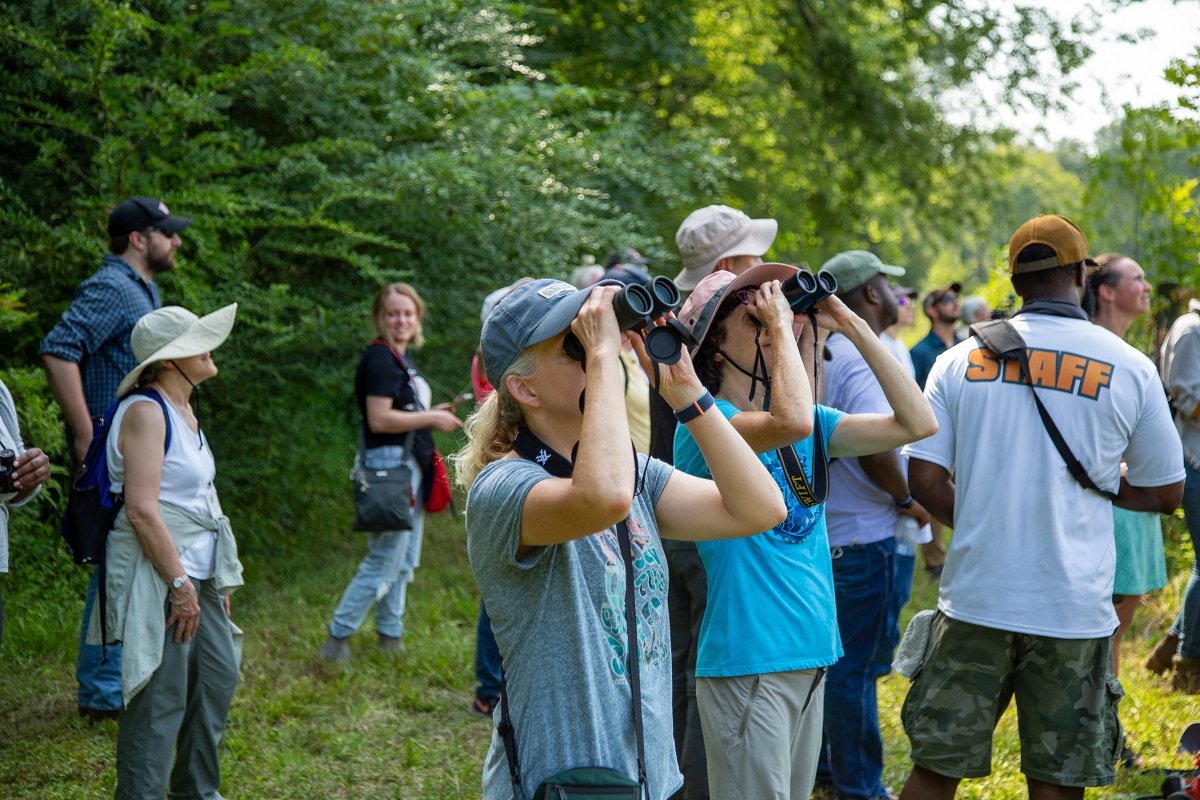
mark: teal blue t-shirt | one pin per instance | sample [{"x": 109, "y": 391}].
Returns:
[{"x": 771, "y": 605}]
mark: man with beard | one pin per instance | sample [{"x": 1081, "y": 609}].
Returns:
[
  {"x": 85, "y": 356},
  {"x": 942, "y": 308},
  {"x": 868, "y": 498}
]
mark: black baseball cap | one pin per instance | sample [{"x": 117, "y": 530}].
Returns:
[{"x": 139, "y": 213}]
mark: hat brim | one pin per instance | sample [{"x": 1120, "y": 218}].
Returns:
[
  {"x": 755, "y": 276},
  {"x": 756, "y": 242},
  {"x": 892, "y": 269},
  {"x": 203, "y": 336},
  {"x": 563, "y": 314},
  {"x": 173, "y": 224}
]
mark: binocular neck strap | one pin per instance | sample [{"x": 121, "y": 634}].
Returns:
[
  {"x": 760, "y": 363},
  {"x": 531, "y": 448}
]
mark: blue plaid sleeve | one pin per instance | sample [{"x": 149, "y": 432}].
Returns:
[
  {"x": 94, "y": 330},
  {"x": 97, "y": 314}
]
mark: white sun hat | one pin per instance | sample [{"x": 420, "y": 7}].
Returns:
[{"x": 175, "y": 332}]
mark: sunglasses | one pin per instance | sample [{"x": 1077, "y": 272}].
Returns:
[
  {"x": 903, "y": 301},
  {"x": 167, "y": 234},
  {"x": 744, "y": 296},
  {"x": 947, "y": 299}
]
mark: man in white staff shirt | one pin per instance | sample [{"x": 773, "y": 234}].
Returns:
[{"x": 1024, "y": 607}]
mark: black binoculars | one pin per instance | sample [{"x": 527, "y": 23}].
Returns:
[
  {"x": 804, "y": 290},
  {"x": 650, "y": 308}
]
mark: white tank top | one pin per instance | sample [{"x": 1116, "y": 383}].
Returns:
[{"x": 187, "y": 479}]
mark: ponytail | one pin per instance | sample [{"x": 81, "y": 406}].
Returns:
[{"x": 493, "y": 426}]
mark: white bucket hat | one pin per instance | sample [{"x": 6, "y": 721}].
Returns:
[
  {"x": 175, "y": 332},
  {"x": 715, "y": 232}
]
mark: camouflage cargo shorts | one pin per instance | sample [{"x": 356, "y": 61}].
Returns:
[{"x": 1066, "y": 704}]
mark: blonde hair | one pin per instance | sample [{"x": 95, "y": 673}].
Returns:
[
  {"x": 491, "y": 428},
  {"x": 377, "y": 311}
]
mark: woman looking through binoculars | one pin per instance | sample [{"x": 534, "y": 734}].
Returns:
[
  {"x": 770, "y": 627},
  {"x": 550, "y": 471}
]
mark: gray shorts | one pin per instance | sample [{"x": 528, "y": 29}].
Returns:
[{"x": 1066, "y": 704}]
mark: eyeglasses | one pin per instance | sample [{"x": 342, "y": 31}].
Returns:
[
  {"x": 947, "y": 299},
  {"x": 745, "y": 295},
  {"x": 168, "y": 234}
]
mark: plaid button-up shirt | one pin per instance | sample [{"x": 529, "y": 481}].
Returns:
[{"x": 94, "y": 330}]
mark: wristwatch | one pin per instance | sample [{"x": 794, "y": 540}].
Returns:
[{"x": 178, "y": 583}]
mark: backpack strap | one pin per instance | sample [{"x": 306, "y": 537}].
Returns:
[{"x": 1002, "y": 339}]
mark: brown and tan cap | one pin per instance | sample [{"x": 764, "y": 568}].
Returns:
[{"x": 1058, "y": 233}]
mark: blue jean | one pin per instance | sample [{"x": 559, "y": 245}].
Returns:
[
  {"x": 99, "y": 679},
  {"x": 864, "y": 580},
  {"x": 487, "y": 658},
  {"x": 1187, "y": 625},
  {"x": 384, "y": 574}
]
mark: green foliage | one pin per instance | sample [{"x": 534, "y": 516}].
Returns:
[
  {"x": 323, "y": 148},
  {"x": 835, "y": 113}
]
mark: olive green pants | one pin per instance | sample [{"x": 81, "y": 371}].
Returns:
[{"x": 180, "y": 715}]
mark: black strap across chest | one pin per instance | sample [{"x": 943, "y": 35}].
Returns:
[{"x": 1002, "y": 339}]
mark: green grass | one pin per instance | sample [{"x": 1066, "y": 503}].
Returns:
[{"x": 384, "y": 727}]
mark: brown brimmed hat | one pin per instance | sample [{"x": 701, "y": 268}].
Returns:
[
  {"x": 719, "y": 288},
  {"x": 1058, "y": 233}
]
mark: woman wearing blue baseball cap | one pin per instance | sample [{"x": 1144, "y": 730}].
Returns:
[{"x": 558, "y": 504}]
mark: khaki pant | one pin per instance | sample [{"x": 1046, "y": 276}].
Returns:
[{"x": 762, "y": 734}]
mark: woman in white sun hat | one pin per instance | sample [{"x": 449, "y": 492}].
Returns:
[{"x": 171, "y": 558}]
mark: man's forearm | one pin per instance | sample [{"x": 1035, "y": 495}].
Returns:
[
  {"x": 933, "y": 488},
  {"x": 66, "y": 382},
  {"x": 1158, "y": 499}
]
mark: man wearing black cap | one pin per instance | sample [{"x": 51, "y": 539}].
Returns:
[
  {"x": 1024, "y": 607},
  {"x": 86, "y": 355},
  {"x": 942, "y": 308}
]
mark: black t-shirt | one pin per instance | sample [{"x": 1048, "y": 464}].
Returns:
[{"x": 380, "y": 374}]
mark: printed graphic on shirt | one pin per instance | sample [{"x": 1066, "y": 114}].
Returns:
[
  {"x": 1050, "y": 369},
  {"x": 649, "y": 593},
  {"x": 800, "y": 520}
]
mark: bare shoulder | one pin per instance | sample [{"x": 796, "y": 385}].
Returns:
[{"x": 143, "y": 417}]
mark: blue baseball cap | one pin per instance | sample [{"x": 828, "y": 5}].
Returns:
[{"x": 529, "y": 315}]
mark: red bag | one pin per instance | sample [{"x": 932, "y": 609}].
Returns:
[{"x": 440, "y": 495}]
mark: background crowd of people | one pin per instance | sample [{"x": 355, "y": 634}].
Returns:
[{"x": 767, "y": 567}]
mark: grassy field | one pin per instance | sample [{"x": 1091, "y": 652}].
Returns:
[{"x": 385, "y": 727}]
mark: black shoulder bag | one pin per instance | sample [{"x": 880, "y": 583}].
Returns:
[
  {"x": 383, "y": 498},
  {"x": 999, "y": 336},
  {"x": 583, "y": 783}
]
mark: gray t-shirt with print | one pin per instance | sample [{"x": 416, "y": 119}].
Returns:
[{"x": 559, "y": 619}]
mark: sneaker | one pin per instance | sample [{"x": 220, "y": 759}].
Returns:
[
  {"x": 335, "y": 649},
  {"x": 391, "y": 644},
  {"x": 483, "y": 707},
  {"x": 1161, "y": 658},
  {"x": 1187, "y": 675},
  {"x": 94, "y": 715}
]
